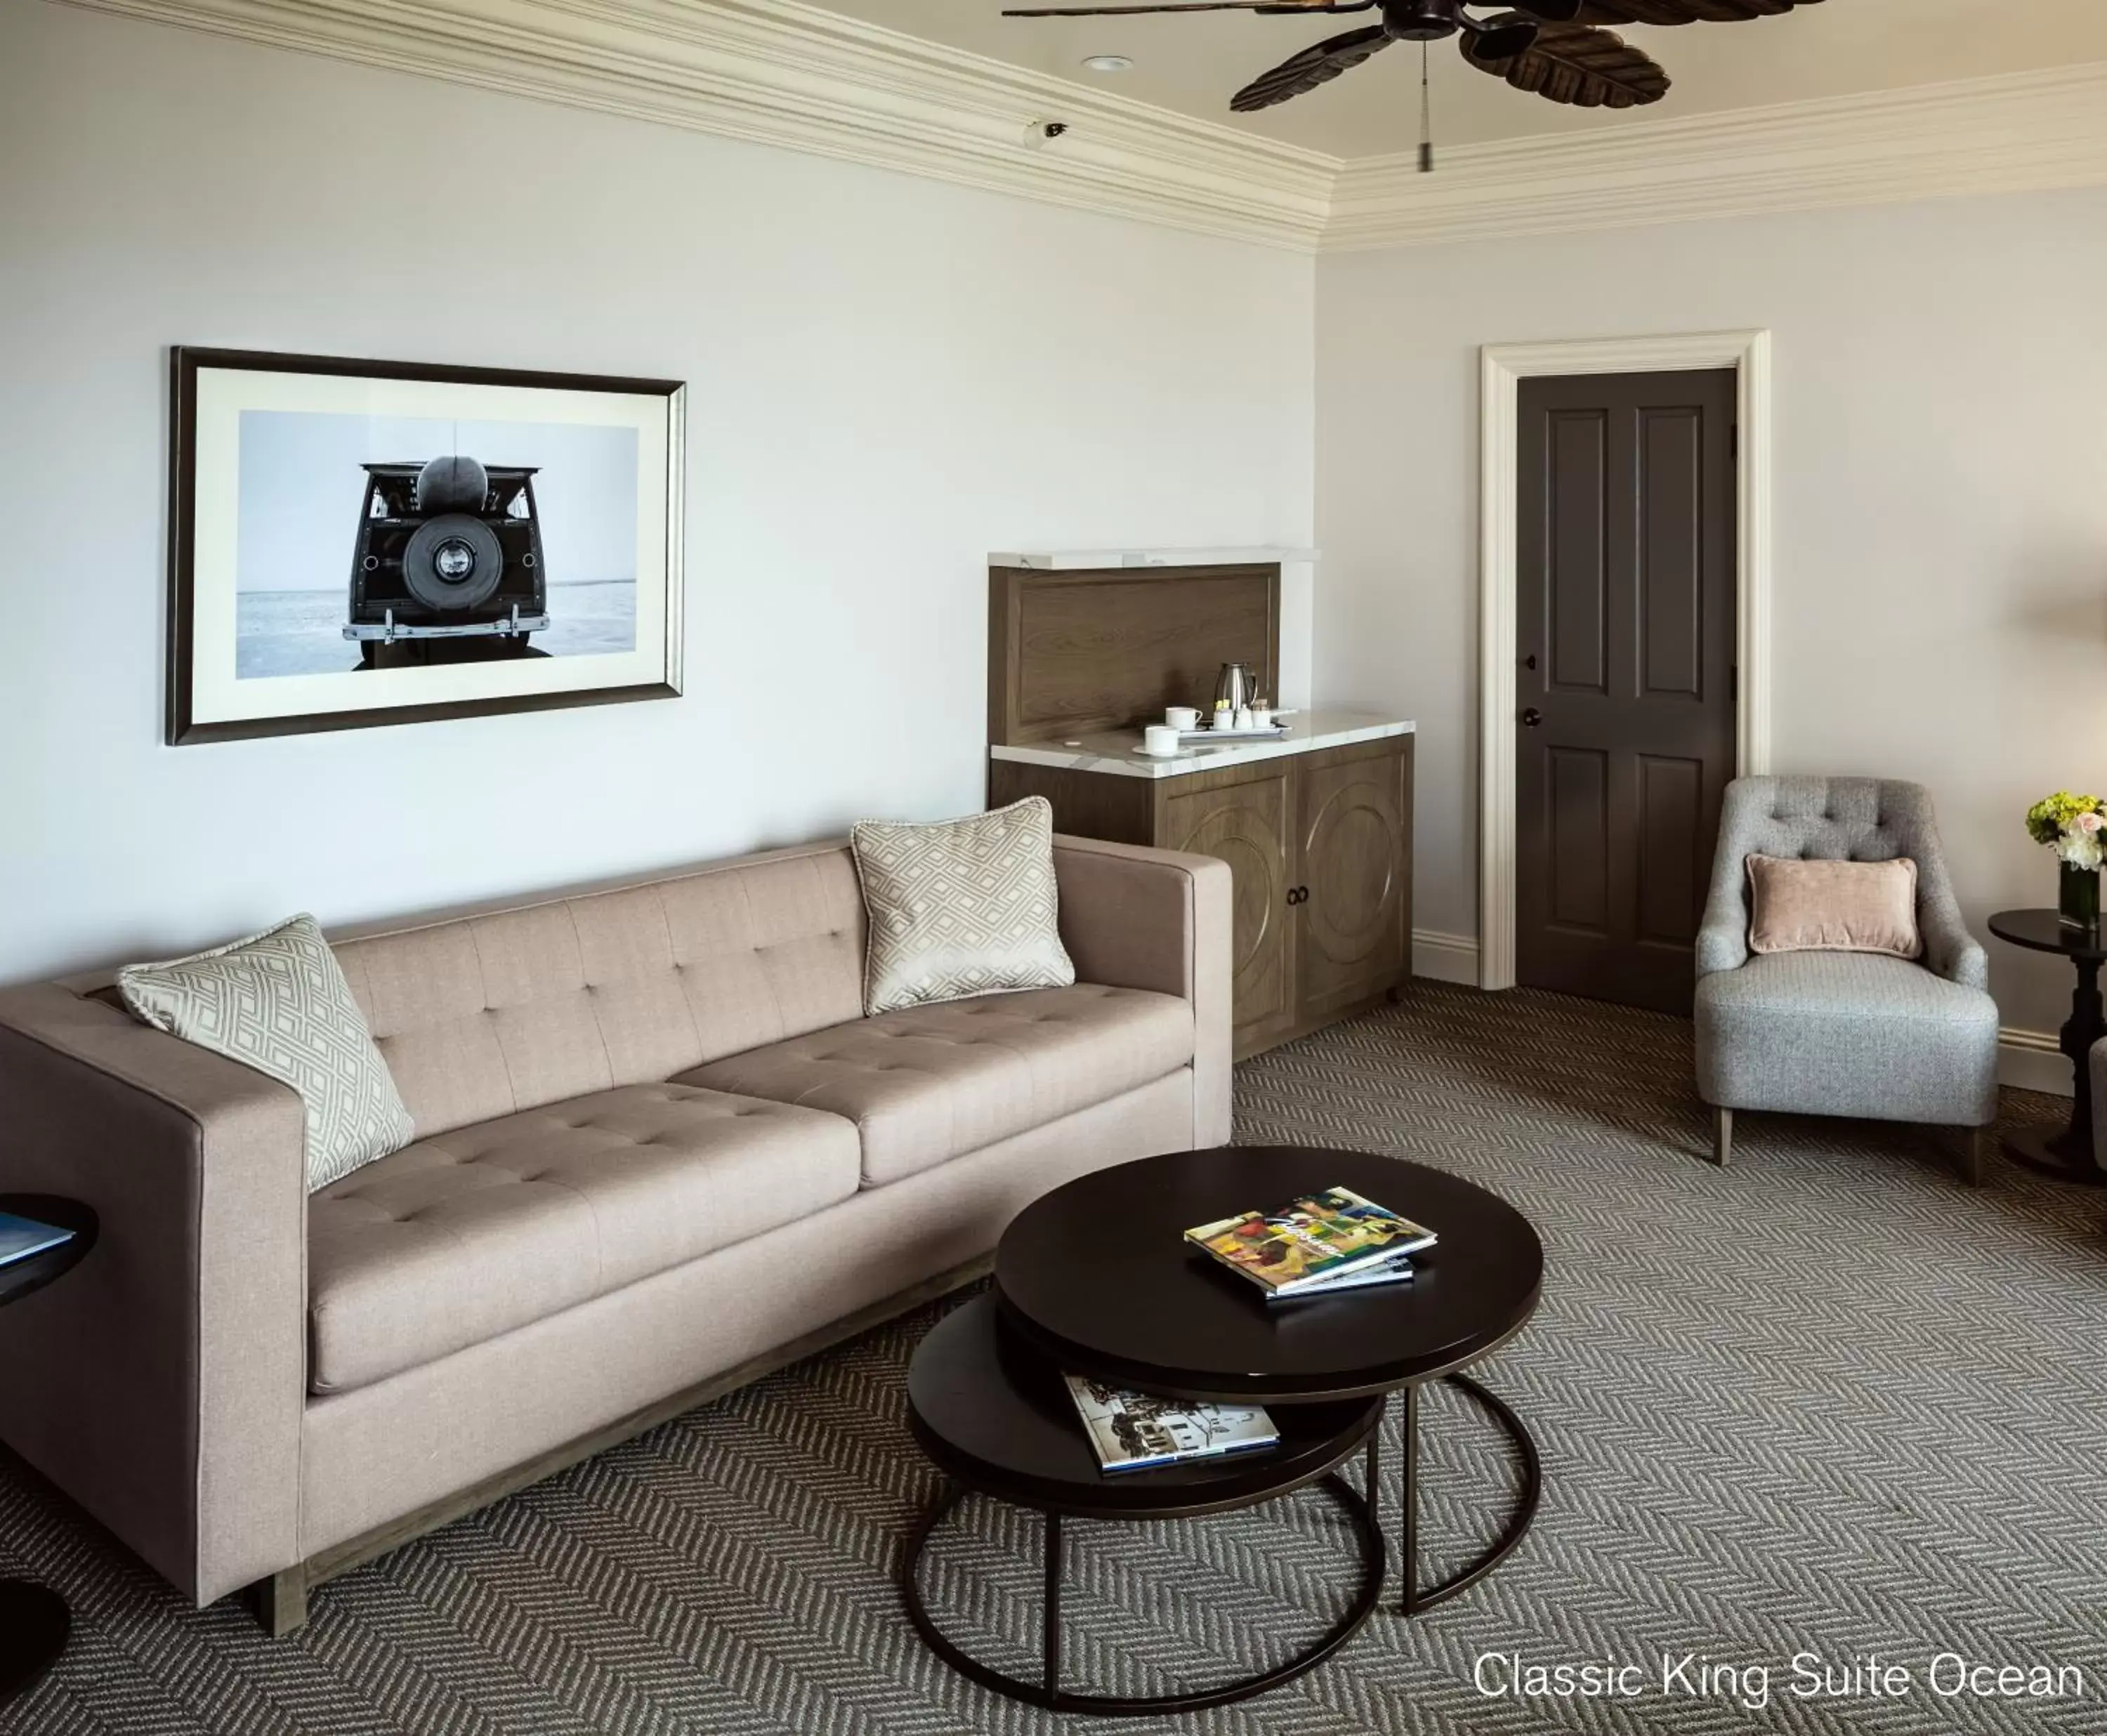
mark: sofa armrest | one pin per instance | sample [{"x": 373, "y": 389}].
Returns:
[
  {"x": 1135, "y": 919},
  {"x": 162, "y": 1382}
]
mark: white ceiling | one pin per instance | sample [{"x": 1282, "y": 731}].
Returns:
[{"x": 1193, "y": 63}]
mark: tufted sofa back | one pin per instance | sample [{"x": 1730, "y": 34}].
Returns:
[{"x": 489, "y": 1014}]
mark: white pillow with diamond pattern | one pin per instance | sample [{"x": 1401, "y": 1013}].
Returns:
[
  {"x": 277, "y": 1001},
  {"x": 960, "y": 907}
]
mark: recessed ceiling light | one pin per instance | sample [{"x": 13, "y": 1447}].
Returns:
[{"x": 1109, "y": 63}]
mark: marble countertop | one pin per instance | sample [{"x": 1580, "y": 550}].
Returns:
[{"x": 1114, "y": 750}]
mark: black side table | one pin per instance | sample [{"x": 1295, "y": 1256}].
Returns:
[
  {"x": 995, "y": 1415},
  {"x": 35, "y": 1620},
  {"x": 2067, "y": 1154}
]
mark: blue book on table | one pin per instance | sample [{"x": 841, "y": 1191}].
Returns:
[{"x": 20, "y": 1237}]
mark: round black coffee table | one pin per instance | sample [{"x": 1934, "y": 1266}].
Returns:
[
  {"x": 995, "y": 1416},
  {"x": 35, "y": 1620},
  {"x": 1096, "y": 1276},
  {"x": 2066, "y": 1152}
]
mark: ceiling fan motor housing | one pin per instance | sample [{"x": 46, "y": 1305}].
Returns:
[{"x": 1422, "y": 20}]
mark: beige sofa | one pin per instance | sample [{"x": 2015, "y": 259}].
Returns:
[{"x": 659, "y": 1151}]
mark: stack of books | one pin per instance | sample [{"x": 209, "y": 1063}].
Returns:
[{"x": 1316, "y": 1245}]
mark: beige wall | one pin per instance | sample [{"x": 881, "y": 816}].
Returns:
[
  {"x": 888, "y": 377},
  {"x": 1941, "y": 599}
]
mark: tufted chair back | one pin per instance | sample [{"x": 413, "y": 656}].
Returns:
[{"x": 1849, "y": 819}]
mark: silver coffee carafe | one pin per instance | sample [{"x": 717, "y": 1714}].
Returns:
[{"x": 1234, "y": 689}]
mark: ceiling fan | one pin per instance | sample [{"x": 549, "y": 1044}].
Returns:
[{"x": 1555, "y": 48}]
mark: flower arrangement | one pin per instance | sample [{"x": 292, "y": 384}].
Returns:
[{"x": 2074, "y": 827}]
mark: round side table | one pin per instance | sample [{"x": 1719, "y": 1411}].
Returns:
[
  {"x": 35, "y": 1620},
  {"x": 2066, "y": 1153},
  {"x": 995, "y": 1415}
]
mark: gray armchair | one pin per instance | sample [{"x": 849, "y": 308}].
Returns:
[{"x": 1842, "y": 1034}]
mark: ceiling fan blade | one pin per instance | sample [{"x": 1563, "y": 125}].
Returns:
[
  {"x": 1502, "y": 37},
  {"x": 1572, "y": 63},
  {"x": 1277, "y": 6},
  {"x": 1683, "y": 12},
  {"x": 1551, "y": 12},
  {"x": 1312, "y": 67}
]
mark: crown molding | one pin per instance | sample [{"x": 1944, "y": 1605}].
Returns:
[
  {"x": 782, "y": 73},
  {"x": 2022, "y": 132},
  {"x": 775, "y": 72}
]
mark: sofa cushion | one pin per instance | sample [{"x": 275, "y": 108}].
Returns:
[
  {"x": 929, "y": 1083},
  {"x": 460, "y": 1237},
  {"x": 960, "y": 908},
  {"x": 277, "y": 1001}
]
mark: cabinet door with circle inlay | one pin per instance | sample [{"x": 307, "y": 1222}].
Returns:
[
  {"x": 1248, "y": 824},
  {"x": 1356, "y": 863}
]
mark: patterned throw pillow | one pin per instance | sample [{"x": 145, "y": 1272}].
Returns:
[
  {"x": 960, "y": 907},
  {"x": 277, "y": 1001}
]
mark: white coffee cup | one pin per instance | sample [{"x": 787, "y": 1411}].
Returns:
[
  {"x": 1160, "y": 739},
  {"x": 1181, "y": 717}
]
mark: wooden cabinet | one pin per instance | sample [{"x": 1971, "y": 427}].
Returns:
[
  {"x": 1320, "y": 847},
  {"x": 1249, "y": 822},
  {"x": 1354, "y": 824}
]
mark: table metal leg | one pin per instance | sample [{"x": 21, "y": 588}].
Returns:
[
  {"x": 1408, "y": 1525},
  {"x": 1047, "y": 1692},
  {"x": 1052, "y": 1551},
  {"x": 1416, "y": 1599}
]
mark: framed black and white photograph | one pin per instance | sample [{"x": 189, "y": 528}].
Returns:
[{"x": 356, "y": 543}]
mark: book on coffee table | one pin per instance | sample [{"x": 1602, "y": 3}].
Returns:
[
  {"x": 1315, "y": 1240},
  {"x": 21, "y": 1237},
  {"x": 1399, "y": 1270},
  {"x": 1133, "y": 1431}
]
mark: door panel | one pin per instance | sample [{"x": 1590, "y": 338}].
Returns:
[
  {"x": 1579, "y": 603},
  {"x": 1626, "y": 612},
  {"x": 1579, "y": 822},
  {"x": 1247, "y": 825},
  {"x": 1356, "y": 861}
]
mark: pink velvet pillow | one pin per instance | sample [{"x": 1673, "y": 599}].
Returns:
[{"x": 1805, "y": 906}]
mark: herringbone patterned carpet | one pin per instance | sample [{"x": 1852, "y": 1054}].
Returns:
[{"x": 1829, "y": 1400}]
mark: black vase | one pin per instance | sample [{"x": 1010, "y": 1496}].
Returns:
[{"x": 2077, "y": 897}]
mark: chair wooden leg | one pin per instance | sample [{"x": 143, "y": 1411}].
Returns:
[
  {"x": 1722, "y": 1135},
  {"x": 1975, "y": 1153}
]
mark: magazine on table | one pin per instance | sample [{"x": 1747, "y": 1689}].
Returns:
[
  {"x": 21, "y": 1237},
  {"x": 1314, "y": 1239},
  {"x": 1133, "y": 1431},
  {"x": 1398, "y": 1271}
]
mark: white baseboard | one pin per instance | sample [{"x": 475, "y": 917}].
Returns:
[
  {"x": 1445, "y": 958},
  {"x": 2027, "y": 1060},
  {"x": 2030, "y": 1060}
]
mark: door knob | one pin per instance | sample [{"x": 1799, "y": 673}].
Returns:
[{"x": 1531, "y": 717}]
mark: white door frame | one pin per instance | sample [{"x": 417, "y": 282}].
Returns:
[{"x": 1503, "y": 367}]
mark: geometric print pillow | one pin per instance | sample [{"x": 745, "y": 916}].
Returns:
[
  {"x": 960, "y": 907},
  {"x": 277, "y": 1001}
]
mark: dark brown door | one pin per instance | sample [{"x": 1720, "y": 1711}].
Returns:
[{"x": 1625, "y": 692}]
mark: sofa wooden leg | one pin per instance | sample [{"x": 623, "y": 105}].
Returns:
[
  {"x": 281, "y": 1601},
  {"x": 1722, "y": 1135}
]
